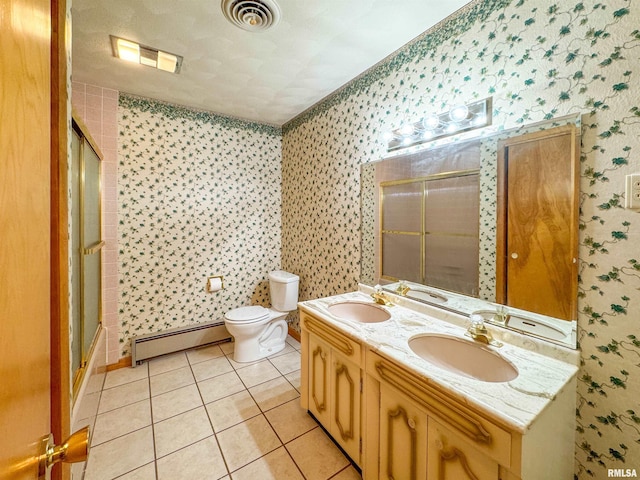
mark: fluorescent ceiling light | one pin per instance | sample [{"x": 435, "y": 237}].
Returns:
[
  {"x": 129, "y": 51},
  {"x": 167, "y": 61},
  {"x": 144, "y": 55}
]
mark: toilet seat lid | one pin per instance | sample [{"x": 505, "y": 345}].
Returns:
[{"x": 247, "y": 314}]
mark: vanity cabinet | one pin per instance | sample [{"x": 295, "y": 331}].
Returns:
[
  {"x": 332, "y": 385},
  {"x": 425, "y": 435},
  {"x": 396, "y": 423}
]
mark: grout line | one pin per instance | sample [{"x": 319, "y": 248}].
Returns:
[
  {"x": 206, "y": 411},
  {"x": 153, "y": 428}
]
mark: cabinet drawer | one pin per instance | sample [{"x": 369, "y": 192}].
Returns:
[
  {"x": 336, "y": 339},
  {"x": 486, "y": 436}
]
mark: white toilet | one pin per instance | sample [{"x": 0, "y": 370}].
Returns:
[{"x": 259, "y": 332}]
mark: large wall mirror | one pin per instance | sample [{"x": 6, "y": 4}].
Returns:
[{"x": 486, "y": 222}]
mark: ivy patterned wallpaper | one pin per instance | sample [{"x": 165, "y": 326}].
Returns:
[
  {"x": 539, "y": 59},
  {"x": 201, "y": 194},
  {"x": 198, "y": 195}
]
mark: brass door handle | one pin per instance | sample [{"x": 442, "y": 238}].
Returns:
[{"x": 73, "y": 449}]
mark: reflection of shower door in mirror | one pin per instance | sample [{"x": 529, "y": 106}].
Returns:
[
  {"x": 86, "y": 239},
  {"x": 537, "y": 221},
  {"x": 430, "y": 230}
]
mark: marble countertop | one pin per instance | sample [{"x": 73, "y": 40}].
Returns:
[{"x": 516, "y": 403}]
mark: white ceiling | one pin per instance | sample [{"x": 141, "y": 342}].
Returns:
[{"x": 267, "y": 77}]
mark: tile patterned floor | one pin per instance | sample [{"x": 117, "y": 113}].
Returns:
[{"x": 199, "y": 415}]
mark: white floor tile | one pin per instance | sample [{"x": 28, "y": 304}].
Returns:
[
  {"x": 287, "y": 363},
  {"x": 121, "y": 455},
  {"x": 290, "y": 420},
  {"x": 171, "y": 380},
  {"x": 124, "y": 395},
  {"x": 198, "y": 355},
  {"x": 231, "y": 410},
  {"x": 211, "y": 368},
  {"x": 219, "y": 387},
  {"x": 167, "y": 363},
  {"x": 273, "y": 393},
  {"x": 121, "y": 421},
  {"x": 326, "y": 461},
  {"x": 147, "y": 472},
  {"x": 201, "y": 461},
  {"x": 189, "y": 395},
  {"x": 175, "y": 402},
  {"x": 276, "y": 465},
  {"x": 247, "y": 442},
  {"x": 182, "y": 430},
  {"x": 258, "y": 373},
  {"x": 121, "y": 376}
]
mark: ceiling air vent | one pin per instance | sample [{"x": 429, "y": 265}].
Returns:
[{"x": 251, "y": 15}]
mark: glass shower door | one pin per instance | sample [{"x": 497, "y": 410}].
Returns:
[
  {"x": 86, "y": 248},
  {"x": 92, "y": 246}
]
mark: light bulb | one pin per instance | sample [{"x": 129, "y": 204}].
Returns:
[
  {"x": 406, "y": 129},
  {"x": 480, "y": 120},
  {"x": 458, "y": 113},
  {"x": 431, "y": 122}
]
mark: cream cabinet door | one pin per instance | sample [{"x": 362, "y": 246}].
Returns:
[
  {"x": 450, "y": 457},
  {"x": 345, "y": 405},
  {"x": 403, "y": 437},
  {"x": 319, "y": 380}
]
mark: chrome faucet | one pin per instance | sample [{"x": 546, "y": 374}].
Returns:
[
  {"x": 380, "y": 298},
  {"x": 478, "y": 331}
]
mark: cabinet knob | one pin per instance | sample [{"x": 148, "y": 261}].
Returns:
[{"x": 514, "y": 255}]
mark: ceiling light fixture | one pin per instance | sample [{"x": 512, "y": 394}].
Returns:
[
  {"x": 458, "y": 119},
  {"x": 143, "y": 55},
  {"x": 251, "y": 15}
]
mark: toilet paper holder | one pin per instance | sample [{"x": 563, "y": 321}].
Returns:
[{"x": 213, "y": 285}]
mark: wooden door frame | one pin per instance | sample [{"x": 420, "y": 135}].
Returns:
[{"x": 59, "y": 300}]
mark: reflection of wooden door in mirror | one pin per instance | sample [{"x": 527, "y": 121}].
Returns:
[{"x": 536, "y": 265}]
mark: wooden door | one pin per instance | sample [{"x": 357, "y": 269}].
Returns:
[
  {"x": 538, "y": 222},
  {"x": 30, "y": 403}
]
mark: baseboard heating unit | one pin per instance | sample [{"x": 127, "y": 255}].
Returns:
[{"x": 173, "y": 340}]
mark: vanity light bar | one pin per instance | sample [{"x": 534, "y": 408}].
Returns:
[
  {"x": 144, "y": 55},
  {"x": 459, "y": 118}
]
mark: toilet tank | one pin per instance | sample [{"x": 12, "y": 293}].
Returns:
[{"x": 283, "y": 287}]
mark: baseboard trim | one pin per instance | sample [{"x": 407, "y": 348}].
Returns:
[
  {"x": 124, "y": 362},
  {"x": 294, "y": 333}
]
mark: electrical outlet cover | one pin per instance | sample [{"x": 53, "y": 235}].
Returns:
[{"x": 632, "y": 191}]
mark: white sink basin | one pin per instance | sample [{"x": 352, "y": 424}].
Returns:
[
  {"x": 362, "y": 312},
  {"x": 463, "y": 357}
]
